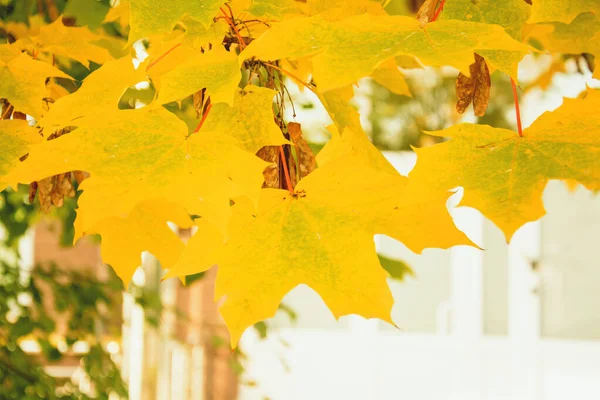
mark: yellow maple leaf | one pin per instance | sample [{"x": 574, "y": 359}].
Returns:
[
  {"x": 343, "y": 114},
  {"x": 119, "y": 13},
  {"x": 389, "y": 76},
  {"x": 361, "y": 43},
  {"x": 99, "y": 94},
  {"x": 23, "y": 80},
  {"x": 202, "y": 251},
  {"x": 339, "y": 9},
  {"x": 415, "y": 203},
  {"x": 71, "y": 42},
  {"x": 561, "y": 10},
  {"x": 189, "y": 37},
  {"x": 292, "y": 240},
  {"x": 217, "y": 71},
  {"x": 322, "y": 236},
  {"x": 285, "y": 9},
  {"x": 155, "y": 17},
  {"x": 412, "y": 213},
  {"x": 198, "y": 36},
  {"x": 510, "y": 14},
  {"x": 354, "y": 143},
  {"x": 299, "y": 240},
  {"x": 16, "y": 136},
  {"x": 504, "y": 175},
  {"x": 144, "y": 229},
  {"x": 580, "y": 36},
  {"x": 134, "y": 155},
  {"x": 250, "y": 120}
]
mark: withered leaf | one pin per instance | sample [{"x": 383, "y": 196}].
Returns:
[
  {"x": 52, "y": 190},
  {"x": 201, "y": 102},
  {"x": 306, "y": 158},
  {"x": 274, "y": 174},
  {"x": 271, "y": 173},
  {"x": 427, "y": 11},
  {"x": 475, "y": 88}
]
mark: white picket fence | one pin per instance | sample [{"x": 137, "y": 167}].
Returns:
[{"x": 348, "y": 366}]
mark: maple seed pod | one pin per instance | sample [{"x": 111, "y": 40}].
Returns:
[
  {"x": 271, "y": 173},
  {"x": 306, "y": 158},
  {"x": 475, "y": 88},
  {"x": 426, "y": 12}
]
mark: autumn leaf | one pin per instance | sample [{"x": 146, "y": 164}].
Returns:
[
  {"x": 397, "y": 269},
  {"x": 76, "y": 43},
  {"x": 343, "y": 114},
  {"x": 15, "y": 139},
  {"x": 250, "y": 120},
  {"x": 119, "y": 13},
  {"x": 412, "y": 212},
  {"x": 362, "y": 42},
  {"x": 475, "y": 88},
  {"x": 309, "y": 243},
  {"x": 509, "y": 14},
  {"x": 269, "y": 9},
  {"x": 389, "y": 76},
  {"x": 580, "y": 36},
  {"x": 561, "y": 10},
  {"x": 334, "y": 10},
  {"x": 23, "y": 80},
  {"x": 144, "y": 229},
  {"x": 155, "y": 17},
  {"x": 504, "y": 175},
  {"x": 322, "y": 236},
  {"x": 198, "y": 36},
  {"x": 134, "y": 155},
  {"x": 98, "y": 95},
  {"x": 216, "y": 70}
]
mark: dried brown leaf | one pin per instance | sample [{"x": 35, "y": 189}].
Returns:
[
  {"x": 427, "y": 11},
  {"x": 306, "y": 158},
  {"x": 200, "y": 102},
  {"x": 271, "y": 173},
  {"x": 475, "y": 88}
]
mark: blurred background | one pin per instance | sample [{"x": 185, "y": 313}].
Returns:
[{"x": 516, "y": 321}]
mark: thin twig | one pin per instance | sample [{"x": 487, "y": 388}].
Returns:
[
  {"x": 439, "y": 10},
  {"x": 288, "y": 73},
  {"x": 517, "y": 108},
  {"x": 235, "y": 29},
  {"x": 286, "y": 172},
  {"x": 203, "y": 118}
]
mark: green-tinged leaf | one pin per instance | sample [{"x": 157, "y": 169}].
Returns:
[
  {"x": 137, "y": 155},
  {"x": 155, "y": 17},
  {"x": 360, "y": 43},
  {"x": 88, "y": 13},
  {"x": 397, "y": 269},
  {"x": 250, "y": 120},
  {"x": 76, "y": 43},
  {"x": 144, "y": 229},
  {"x": 561, "y": 10},
  {"x": 16, "y": 136},
  {"x": 504, "y": 175},
  {"x": 216, "y": 70},
  {"x": 509, "y": 14},
  {"x": 23, "y": 80},
  {"x": 580, "y": 36},
  {"x": 99, "y": 94}
]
